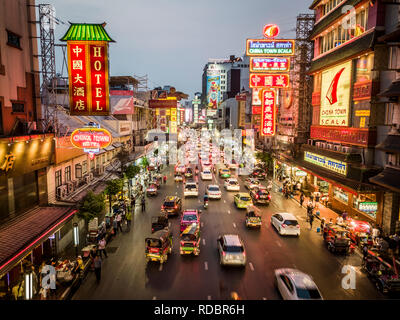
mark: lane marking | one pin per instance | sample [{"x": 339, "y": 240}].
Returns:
[
  {"x": 251, "y": 266},
  {"x": 229, "y": 211},
  {"x": 208, "y": 297},
  {"x": 224, "y": 201},
  {"x": 204, "y": 242},
  {"x": 160, "y": 268},
  {"x": 278, "y": 243},
  {"x": 234, "y": 225},
  {"x": 206, "y": 265}
]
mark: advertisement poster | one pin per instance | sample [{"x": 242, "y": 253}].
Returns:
[
  {"x": 335, "y": 95},
  {"x": 268, "y": 113},
  {"x": 213, "y": 91}
]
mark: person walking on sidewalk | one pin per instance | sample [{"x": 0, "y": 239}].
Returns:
[
  {"x": 128, "y": 220},
  {"x": 97, "y": 268},
  {"x": 301, "y": 199},
  {"x": 311, "y": 218},
  {"x": 115, "y": 226},
  {"x": 133, "y": 204},
  {"x": 102, "y": 247},
  {"x": 119, "y": 218},
  {"x": 322, "y": 225},
  {"x": 165, "y": 179},
  {"x": 143, "y": 204}
]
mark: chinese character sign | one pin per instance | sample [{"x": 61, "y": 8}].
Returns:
[
  {"x": 268, "y": 113},
  {"x": 269, "y": 80},
  {"x": 269, "y": 64},
  {"x": 88, "y": 77}
]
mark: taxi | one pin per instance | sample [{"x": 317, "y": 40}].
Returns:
[
  {"x": 188, "y": 217},
  {"x": 224, "y": 173},
  {"x": 242, "y": 200}
]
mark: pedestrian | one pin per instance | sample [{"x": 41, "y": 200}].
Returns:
[
  {"x": 97, "y": 268},
  {"x": 311, "y": 219},
  {"x": 119, "y": 218},
  {"x": 108, "y": 222},
  {"x": 339, "y": 220},
  {"x": 115, "y": 226},
  {"x": 102, "y": 247},
  {"x": 133, "y": 204},
  {"x": 301, "y": 199},
  {"x": 165, "y": 179},
  {"x": 128, "y": 220},
  {"x": 322, "y": 225},
  {"x": 143, "y": 204},
  {"x": 344, "y": 215}
]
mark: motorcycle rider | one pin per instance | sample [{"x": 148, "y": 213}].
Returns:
[
  {"x": 205, "y": 199},
  {"x": 196, "y": 170}
]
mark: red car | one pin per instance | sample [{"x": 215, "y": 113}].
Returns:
[{"x": 188, "y": 217}]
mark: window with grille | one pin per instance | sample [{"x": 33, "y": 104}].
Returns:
[
  {"x": 18, "y": 107},
  {"x": 13, "y": 39}
]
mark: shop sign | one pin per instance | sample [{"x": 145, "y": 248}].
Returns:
[
  {"x": 356, "y": 136},
  {"x": 326, "y": 163},
  {"x": 8, "y": 162},
  {"x": 167, "y": 103},
  {"x": 268, "y": 113},
  {"x": 300, "y": 173},
  {"x": 335, "y": 95},
  {"x": 242, "y": 113},
  {"x": 267, "y": 47},
  {"x": 270, "y": 31},
  {"x": 92, "y": 139},
  {"x": 269, "y": 64},
  {"x": 256, "y": 110},
  {"x": 258, "y": 80},
  {"x": 256, "y": 98},
  {"x": 88, "y": 77},
  {"x": 363, "y": 113},
  {"x": 362, "y": 90},
  {"x": 368, "y": 206}
]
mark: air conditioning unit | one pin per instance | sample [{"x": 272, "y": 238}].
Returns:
[
  {"x": 329, "y": 146},
  {"x": 61, "y": 192},
  {"x": 337, "y": 147},
  {"x": 310, "y": 142},
  {"x": 346, "y": 149},
  {"x": 318, "y": 144},
  {"x": 323, "y": 145},
  {"x": 91, "y": 176},
  {"x": 87, "y": 179},
  {"x": 70, "y": 187}
]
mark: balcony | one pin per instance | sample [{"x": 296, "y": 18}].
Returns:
[{"x": 346, "y": 135}]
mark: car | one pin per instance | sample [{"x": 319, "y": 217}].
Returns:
[
  {"x": 224, "y": 173},
  {"x": 189, "y": 173},
  {"x": 152, "y": 190},
  {"x": 294, "y": 284},
  {"x": 206, "y": 165},
  {"x": 242, "y": 200},
  {"x": 188, "y": 217},
  {"x": 206, "y": 175},
  {"x": 285, "y": 224},
  {"x": 260, "y": 196},
  {"x": 233, "y": 165},
  {"x": 232, "y": 184},
  {"x": 172, "y": 205},
  {"x": 213, "y": 191},
  {"x": 251, "y": 183},
  {"x": 231, "y": 250},
  {"x": 258, "y": 174},
  {"x": 191, "y": 190},
  {"x": 180, "y": 168},
  {"x": 178, "y": 177}
]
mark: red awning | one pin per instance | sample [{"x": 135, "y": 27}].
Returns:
[{"x": 22, "y": 235}]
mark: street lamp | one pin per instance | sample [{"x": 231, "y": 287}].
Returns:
[
  {"x": 76, "y": 237},
  {"x": 28, "y": 285}
]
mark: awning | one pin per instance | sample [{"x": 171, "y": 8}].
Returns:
[
  {"x": 117, "y": 144},
  {"x": 101, "y": 152},
  {"x": 390, "y": 144},
  {"x": 388, "y": 178},
  {"x": 109, "y": 148},
  {"x": 393, "y": 36},
  {"x": 21, "y": 236},
  {"x": 392, "y": 91}
]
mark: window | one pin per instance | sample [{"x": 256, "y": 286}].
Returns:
[
  {"x": 84, "y": 167},
  {"x": 13, "y": 39},
  {"x": 366, "y": 203},
  {"x": 68, "y": 174},
  {"x": 340, "y": 195},
  {"x": 58, "y": 178},
  {"x": 389, "y": 111},
  {"x": 78, "y": 171},
  {"x": 287, "y": 283},
  {"x": 18, "y": 107}
]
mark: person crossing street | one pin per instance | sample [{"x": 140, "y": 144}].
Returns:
[{"x": 143, "y": 204}]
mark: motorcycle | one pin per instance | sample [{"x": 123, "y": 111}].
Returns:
[{"x": 205, "y": 204}]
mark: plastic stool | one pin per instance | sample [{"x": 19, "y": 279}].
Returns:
[{"x": 318, "y": 230}]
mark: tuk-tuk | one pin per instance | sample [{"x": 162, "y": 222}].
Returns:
[
  {"x": 190, "y": 240},
  {"x": 157, "y": 180},
  {"x": 178, "y": 177},
  {"x": 159, "y": 223},
  {"x": 152, "y": 190},
  {"x": 359, "y": 232},
  {"x": 383, "y": 274},
  {"x": 337, "y": 238},
  {"x": 158, "y": 246},
  {"x": 253, "y": 217}
]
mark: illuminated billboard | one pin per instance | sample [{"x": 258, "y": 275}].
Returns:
[
  {"x": 213, "y": 91},
  {"x": 268, "y": 113},
  {"x": 335, "y": 95},
  {"x": 259, "y": 80},
  {"x": 270, "y": 31},
  {"x": 256, "y": 97},
  {"x": 91, "y": 139},
  {"x": 269, "y": 64},
  {"x": 268, "y": 47}
]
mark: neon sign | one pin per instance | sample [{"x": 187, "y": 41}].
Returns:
[
  {"x": 267, "y": 47},
  {"x": 91, "y": 139},
  {"x": 269, "y": 64},
  {"x": 269, "y": 80},
  {"x": 268, "y": 113},
  {"x": 271, "y": 31}
]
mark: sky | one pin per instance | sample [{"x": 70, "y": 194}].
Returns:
[{"x": 170, "y": 41}]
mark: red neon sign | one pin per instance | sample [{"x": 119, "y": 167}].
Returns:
[
  {"x": 88, "y": 77},
  {"x": 91, "y": 138},
  {"x": 256, "y": 110},
  {"x": 268, "y": 113},
  {"x": 269, "y": 64},
  {"x": 271, "y": 31},
  {"x": 269, "y": 80}
]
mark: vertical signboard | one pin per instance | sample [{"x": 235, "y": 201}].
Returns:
[
  {"x": 173, "y": 121},
  {"x": 268, "y": 113},
  {"x": 213, "y": 91}
]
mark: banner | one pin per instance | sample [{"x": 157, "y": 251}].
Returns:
[
  {"x": 268, "y": 113},
  {"x": 88, "y": 77},
  {"x": 213, "y": 91}
]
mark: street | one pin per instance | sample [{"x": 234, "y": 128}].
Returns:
[{"x": 125, "y": 274}]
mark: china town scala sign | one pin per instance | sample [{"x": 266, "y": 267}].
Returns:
[{"x": 91, "y": 138}]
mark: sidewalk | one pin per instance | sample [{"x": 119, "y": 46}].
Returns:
[{"x": 324, "y": 211}]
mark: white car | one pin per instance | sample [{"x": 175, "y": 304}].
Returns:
[
  {"x": 206, "y": 175},
  {"x": 286, "y": 224},
  {"x": 191, "y": 190},
  {"x": 293, "y": 284},
  {"x": 231, "y": 184},
  {"x": 231, "y": 250},
  {"x": 213, "y": 191}
]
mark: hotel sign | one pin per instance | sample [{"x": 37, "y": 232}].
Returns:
[
  {"x": 326, "y": 163},
  {"x": 267, "y": 47},
  {"x": 91, "y": 138}
]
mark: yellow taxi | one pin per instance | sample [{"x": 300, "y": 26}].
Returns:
[{"x": 242, "y": 200}]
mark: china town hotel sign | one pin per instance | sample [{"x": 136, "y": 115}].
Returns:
[{"x": 88, "y": 68}]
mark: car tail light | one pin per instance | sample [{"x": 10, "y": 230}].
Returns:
[
  {"x": 182, "y": 243},
  {"x": 162, "y": 207},
  {"x": 257, "y": 196},
  {"x": 298, "y": 226},
  {"x": 269, "y": 197},
  {"x": 224, "y": 253},
  {"x": 175, "y": 207},
  {"x": 283, "y": 225}
]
